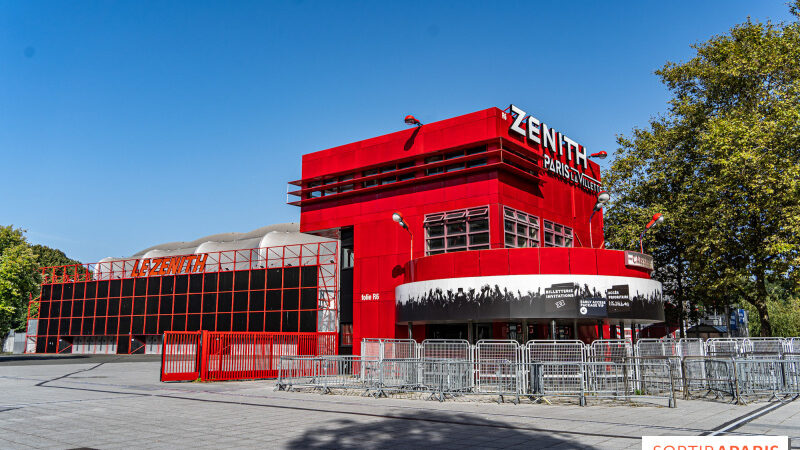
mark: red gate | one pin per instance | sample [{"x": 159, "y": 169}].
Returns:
[
  {"x": 218, "y": 356},
  {"x": 248, "y": 356},
  {"x": 180, "y": 356}
]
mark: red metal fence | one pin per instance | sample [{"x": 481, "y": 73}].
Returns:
[
  {"x": 180, "y": 357},
  {"x": 222, "y": 356}
]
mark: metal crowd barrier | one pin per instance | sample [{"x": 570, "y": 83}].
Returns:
[
  {"x": 389, "y": 348},
  {"x": 395, "y": 375},
  {"x": 325, "y": 372},
  {"x": 448, "y": 378},
  {"x": 605, "y": 350},
  {"x": 741, "y": 379},
  {"x": 752, "y": 347},
  {"x": 772, "y": 378},
  {"x": 751, "y": 369},
  {"x": 497, "y": 366},
  {"x": 572, "y": 350}
]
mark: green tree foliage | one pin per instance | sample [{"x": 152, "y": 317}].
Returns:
[
  {"x": 19, "y": 278},
  {"x": 10, "y": 236},
  {"x": 784, "y": 313},
  {"x": 51, "y": 257},
  {"x": 20, "y": 275},
  {"x": 723, "y": 165}
]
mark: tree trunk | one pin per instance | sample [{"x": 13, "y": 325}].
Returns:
[
  {"x": 682, "y": 313},
  {"x": 763, "y": 316},
  {"x": 761, "y": 302}
]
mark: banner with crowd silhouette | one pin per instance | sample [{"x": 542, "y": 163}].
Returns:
[{"x": 530, "y": 296}]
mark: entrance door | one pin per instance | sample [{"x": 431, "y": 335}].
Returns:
[
  {"x": 513, "y": 331},
  {"x": 483, "y": 331},
  {"x": 123, "y": 344}
]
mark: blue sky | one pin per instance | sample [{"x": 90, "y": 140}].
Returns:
[{"x": 128, "y": 124}]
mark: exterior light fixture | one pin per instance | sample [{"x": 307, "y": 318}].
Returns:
[
  {"x": 602, "y": 199},
  {"x": 411, "y": 120},
  {"x": 397, "y": 217},
  {"x": 657, "y": 219},
  {"x": 599, "y": 155}
]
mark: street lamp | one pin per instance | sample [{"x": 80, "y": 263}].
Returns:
[
  {"x": 411, "y": 120},
  {"x": 657, "y": 219},
  {"x": 602, "y": 199},
  {"x": 397, "y": 217},
  {"x": 599, "y": 155}
]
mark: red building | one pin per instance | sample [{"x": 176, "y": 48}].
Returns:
[
  {"x": 498, "y": 208},
  {"x": 476, "y": 227}
]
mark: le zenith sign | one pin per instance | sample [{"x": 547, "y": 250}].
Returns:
[
  {"x": 557, "y": 144},
  {"x": 172, "y": 265}
]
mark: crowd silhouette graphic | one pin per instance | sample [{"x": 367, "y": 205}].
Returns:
[{"x": 558, "y": 300}]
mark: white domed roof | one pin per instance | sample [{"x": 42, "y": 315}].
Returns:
[
  {"x": 233, "y": 239},
  {"x": 269, "y": 236}
]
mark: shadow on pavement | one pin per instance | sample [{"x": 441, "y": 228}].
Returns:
[{"x": 426, "y": 430}]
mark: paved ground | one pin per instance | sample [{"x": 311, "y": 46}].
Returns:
[{"x": 116, "y": 402}]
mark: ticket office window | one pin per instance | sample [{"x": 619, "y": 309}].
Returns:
[{"x": 455, "y": 231}]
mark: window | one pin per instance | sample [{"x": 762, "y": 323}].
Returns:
[
  {"x": 332, "y": 190},
  {"x": 395, "y": 167},
  {"x": 405, "y": 165},
  {"x": 476, "y": 163},
  {"x": 556, "y": 235},
  {"x": 348, "y": 258},
  {"x": 329, "y": 191},
  {"x": 347, "y": 335},
  {"x": 455, "y": 231},
  {"x": 368, "y": 173},
  {"x": 521, "y": 229},
  {"x": 315, "y": 194},
  {"x": 434, "y": 170},
  {"x": 453, "y": 155},
  {"x": 346, "y": 187},
  {"x": 450, "y": 161}
]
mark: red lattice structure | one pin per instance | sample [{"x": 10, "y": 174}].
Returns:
[{"x": 125, "y": 306}]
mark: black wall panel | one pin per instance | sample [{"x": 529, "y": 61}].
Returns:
[
  {"x": 256, "y": 300},
  {"x": 241, "y": 280}
]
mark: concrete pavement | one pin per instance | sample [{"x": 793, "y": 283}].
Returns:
[{"x": 118, "y": 402}]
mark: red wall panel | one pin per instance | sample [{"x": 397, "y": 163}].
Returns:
[
  {"x": 554, "y": 260},
  {"x": 523, "y": 261},
  {"x": 583, "y": 261},
  {"x": 610, "y": 263},
  {"x": 493, "y": 262},
  {"x": 465, "y": 264}
]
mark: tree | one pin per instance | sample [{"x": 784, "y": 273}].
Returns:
[
  {"x": 723, "y": 166},
  {"x": 784, "y": 313},
  {"x": 20, "y": 275},
  {"x": 51, "y": 257},
  {"x": 10, "y": 236},
  {"x": 19, "y": 278}
]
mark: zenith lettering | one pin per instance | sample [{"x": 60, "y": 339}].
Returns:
[
  {"x": 169, "y": 266},
  {"x": 563, "y": 170},
  {"x": 538, "y": 132}
]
